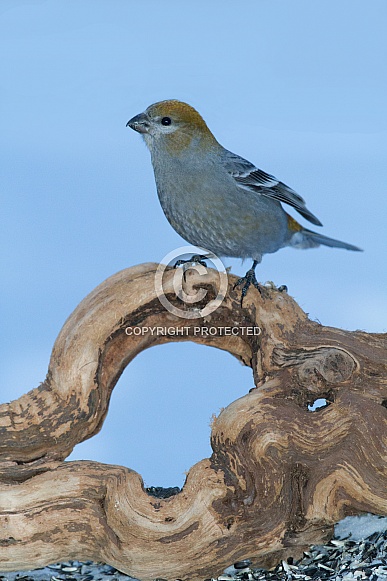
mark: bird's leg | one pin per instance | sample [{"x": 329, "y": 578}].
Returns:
[
  {"x": 196, "y": 258},
  {"x": 248, "y": 280}
]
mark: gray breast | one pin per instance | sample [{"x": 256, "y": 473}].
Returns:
[{"x": 207, "y": 208}]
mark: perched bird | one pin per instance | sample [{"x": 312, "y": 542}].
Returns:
[{"x": 216, "y": 199}]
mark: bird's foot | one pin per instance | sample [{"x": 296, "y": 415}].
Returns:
[
  {"x": 195, "y": 259},
  {"x": 248, "y": 280}
]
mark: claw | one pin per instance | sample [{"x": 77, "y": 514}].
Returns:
[
  {"x": 248, "y": 280},
  {"x": 196, "y": 258}
]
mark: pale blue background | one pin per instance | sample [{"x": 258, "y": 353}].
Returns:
[{"x": 297, "y": 87}]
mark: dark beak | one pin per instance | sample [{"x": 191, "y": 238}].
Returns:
[{"x": 139, "y": 123}]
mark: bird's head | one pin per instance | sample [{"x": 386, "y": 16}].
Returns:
[{"x": 173, "y": 125}]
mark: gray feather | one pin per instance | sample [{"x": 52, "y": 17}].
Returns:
[
  {"x": 308, "y": 239},
  {"x": 253, "y": 179}
]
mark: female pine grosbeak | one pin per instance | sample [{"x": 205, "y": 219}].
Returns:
[{"x": 215, "y": 199}]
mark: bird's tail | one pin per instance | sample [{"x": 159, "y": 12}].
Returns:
[{"x": 305, "y": 238}]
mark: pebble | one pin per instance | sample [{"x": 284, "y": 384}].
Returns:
[{"x": 242, "y": 564}]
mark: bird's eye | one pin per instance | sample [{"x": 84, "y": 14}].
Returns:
[{"x": 166, "y": 121}]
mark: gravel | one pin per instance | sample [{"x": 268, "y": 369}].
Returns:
[{"x": 358, "y": 551}]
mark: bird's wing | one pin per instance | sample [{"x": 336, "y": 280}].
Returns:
[{"x": 255, "y": 180}]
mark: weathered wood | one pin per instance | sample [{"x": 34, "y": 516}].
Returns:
[{"x": 279, "y": 477}]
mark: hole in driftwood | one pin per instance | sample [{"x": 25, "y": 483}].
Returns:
[
  {"x": 160, "y": 411},
  {"x": 318, "y": 404}
]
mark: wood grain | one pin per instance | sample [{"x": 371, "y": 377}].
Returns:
[{"x": 279, "y": 476}]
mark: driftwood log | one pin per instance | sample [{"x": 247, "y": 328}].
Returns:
[{"x": 279, "y": 476}]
